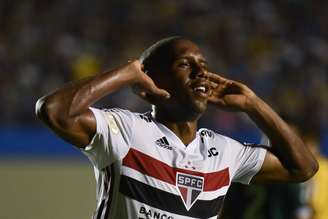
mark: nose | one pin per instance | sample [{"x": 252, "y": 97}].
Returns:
[{"x": 199, "y": 72}]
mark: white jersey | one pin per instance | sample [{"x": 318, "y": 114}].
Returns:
[{"x": 143, "y": 170}]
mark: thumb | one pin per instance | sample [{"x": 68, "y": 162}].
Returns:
[{"x": 160, "y": 92}]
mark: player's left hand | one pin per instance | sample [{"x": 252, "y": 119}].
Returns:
[{"x": 230, "y": 95}]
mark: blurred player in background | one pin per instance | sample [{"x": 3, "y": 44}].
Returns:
[
  {"x": 158, "y": 165},
  {"x": 314, "y": 192}
]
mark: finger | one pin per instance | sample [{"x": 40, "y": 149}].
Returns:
[
  {"x": 152, "y": 89},
  {"x": 149, "y": 96},
  {"x": 227, "y": 85},
  {"x": 213, "y": 85},
  {"x": 160, "y": 92},
  {"x": 143, "y": 94},
  {"x": 220, "y": 89},
  {"x": 217, "y": 78}
]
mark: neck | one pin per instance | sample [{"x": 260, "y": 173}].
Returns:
[{"x": 184, "y": 129}]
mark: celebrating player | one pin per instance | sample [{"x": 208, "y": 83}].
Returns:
[{"x": 157, "y": 164}]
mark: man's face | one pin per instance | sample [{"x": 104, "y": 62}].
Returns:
[{"x": 185, "y": 78}]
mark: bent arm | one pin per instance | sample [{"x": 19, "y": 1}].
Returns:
[
  {"x": 66, "y": 111},
  {"x": 289, "y": 159}
]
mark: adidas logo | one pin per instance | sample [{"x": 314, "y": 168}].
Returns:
[
  {"x": 147, "y": 118},
  {"x": 163, "y": 142}
]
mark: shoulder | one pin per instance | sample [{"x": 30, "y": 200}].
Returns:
[
  {"x": 117, "y": 111},
  {"x": 128, "y": 119},
  {"x": 212, "y": 136},
  {"x": 223, "y": 140},
  {"x": 124, "y": 113}
]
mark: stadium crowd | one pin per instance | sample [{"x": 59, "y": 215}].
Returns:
[{"x": 278, "y": 48}]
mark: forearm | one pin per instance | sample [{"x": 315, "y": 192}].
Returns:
[
  {"x": 66, "y": 111},
  {"x": 77, "y": 96},
  {"x": 286, "y": 145}
]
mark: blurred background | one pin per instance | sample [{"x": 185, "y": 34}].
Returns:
[{"x": 278, "y": 48}]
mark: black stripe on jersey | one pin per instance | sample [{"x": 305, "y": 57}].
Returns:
[
  {"x": 103, "y": 210},
  {"x": 110, "y": 174},
  {"x": 247, "y": 144},
  {"x": 100, "y": 209},
  {"x": 167, "y": 201}
]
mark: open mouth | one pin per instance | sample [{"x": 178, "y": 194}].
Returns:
[{"x": 201, "y": 88}]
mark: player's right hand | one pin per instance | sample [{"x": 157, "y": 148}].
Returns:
[{"x": 143, "y": 85}]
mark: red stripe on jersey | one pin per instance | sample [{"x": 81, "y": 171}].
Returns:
[
  {"x": 183, "y": 193},
  {"x": 155, "y": 168}
]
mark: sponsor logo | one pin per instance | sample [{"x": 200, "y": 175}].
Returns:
[
  {"x": 111, "y": 123},
  {"x": 147, "y": 118},
  {"x": 190, "y": 187},
  {"x": 212, "y": 152},
  {"x": 150, "y": 213},
  {"x": 163, "y": 142},
  {"x": 207, "y": 133}
]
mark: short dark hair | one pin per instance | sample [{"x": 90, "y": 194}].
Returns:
[{"x": 152, "y": 57}]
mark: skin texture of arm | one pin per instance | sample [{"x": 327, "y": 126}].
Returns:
[
  {"x": 66, "y": 111},
  {"x": 289, "y": 159}
]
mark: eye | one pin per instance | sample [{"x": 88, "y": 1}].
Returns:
[{"x": 184, "y": 64}]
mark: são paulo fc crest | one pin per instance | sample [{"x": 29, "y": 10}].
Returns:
[{"x": 190, "y": 187}]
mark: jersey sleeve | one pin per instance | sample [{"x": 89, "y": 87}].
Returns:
[
  {"x": 248, "y": 161},
  {"x": 111, "y": 141}
]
